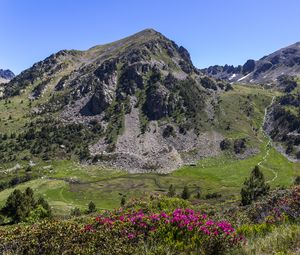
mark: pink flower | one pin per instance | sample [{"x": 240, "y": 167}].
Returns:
[
  {"x": 209, "y": 223},
  {"x": 130, "y": 236},
  {"x": 164, "y": 215},
  {"x": 88, "y": 228}
]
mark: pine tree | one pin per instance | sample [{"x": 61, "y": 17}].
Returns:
[
  {"x": 172, "y": 191},
  {"x": 254, "y": 187},
  {"x": 123, "y": 201},
  {"x": 91, "y": 207},
  {"x": 185, "y": 193},
  {"x": 29, "y": 199},
  {"x": 15, "y": 207},
  {"x": 19, "y": 205}
]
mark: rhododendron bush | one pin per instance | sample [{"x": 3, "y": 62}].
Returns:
[
  {"x": 184, "y": 229},
  {"x": 123, "y": 232}
]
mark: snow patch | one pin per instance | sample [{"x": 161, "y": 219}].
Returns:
[
  {"x": 244, "y": 77},
  {"x": 232, "y": 76}
]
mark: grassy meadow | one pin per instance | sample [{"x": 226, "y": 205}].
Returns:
[{"x": 67, "y": 184}]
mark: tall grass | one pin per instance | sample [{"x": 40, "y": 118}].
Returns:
[{"x": 284, "y": 239}]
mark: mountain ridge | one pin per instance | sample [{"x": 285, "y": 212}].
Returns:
[{"x": 266, "y": 70}]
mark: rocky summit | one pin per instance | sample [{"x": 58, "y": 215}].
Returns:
[{"x": 6, "y": 75}]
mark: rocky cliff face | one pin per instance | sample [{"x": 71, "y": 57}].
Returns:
[
  {"x": 6, "y": 75},
  {"x": 283, "y": 124},
  {"x": 151, "y": 102},
  {"x": 265, "y": 70}
]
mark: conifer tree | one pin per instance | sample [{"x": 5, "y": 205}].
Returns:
[
  {"x": 172, "y": 191},
  {"x": 20, "y": 205},
  {"x": 185, "y": 193},
  {"x": 91, "y": 207},
  {"x": 123, "y": 200},
  {"x": 254, "y": 187}
]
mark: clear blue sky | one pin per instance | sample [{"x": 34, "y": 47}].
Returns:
[{"x": 214, "y": 31}]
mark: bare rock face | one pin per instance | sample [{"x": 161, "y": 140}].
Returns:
[
  {"x": 248, "y": 67},
  {"x": 131, "y": 78},
  {"x": 105, "y": 72},
  {"x": 99, "y": 101},
  {"x": 6, "y": 75},
  {"x": 157, "y": 105},
  {"x": 283, "y": 126}
]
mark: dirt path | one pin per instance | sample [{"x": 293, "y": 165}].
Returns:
[
  {"x": 16, "y": 167},
  {"x": 268, "y": 145}
]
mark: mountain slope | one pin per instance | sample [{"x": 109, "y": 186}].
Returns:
[
  {"x": 283, "y": 122},
  {"x": 265, "y": 70},
  {"x": 140, "y": 103},
  {"x": 280, "y": 71}
]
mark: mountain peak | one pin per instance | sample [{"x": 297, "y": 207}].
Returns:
[
  {"x": 6, "y": 75},
  {"x": 134, "y": 40},
  {"x": 145, "y": 35},
  {"x": 149, "y": 31}
]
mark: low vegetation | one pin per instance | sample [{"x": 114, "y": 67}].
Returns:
[{"x": 164, "y": 225}]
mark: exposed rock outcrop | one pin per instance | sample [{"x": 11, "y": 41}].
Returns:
[{"x": 6, "y": 75}]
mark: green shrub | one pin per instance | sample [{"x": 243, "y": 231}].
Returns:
[
  {"x": 253, "y": 230},
  {"x": 75, "y": 212},
  {"x": 172, "y": 191},
  {"x": 212, "y": 195},
  {"x": 254, "y": 187},
  {"x": 297, "y": 180}
]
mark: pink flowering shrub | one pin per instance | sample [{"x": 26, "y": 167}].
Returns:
[{"x": 184, "y": 229}]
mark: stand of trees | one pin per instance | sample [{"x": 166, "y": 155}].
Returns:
[{"x": 22, "y": 206}]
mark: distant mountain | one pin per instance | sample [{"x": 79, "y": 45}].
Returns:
[
  {"x": 6, "y": 75},
  {"x": 285, "y": 61}
]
